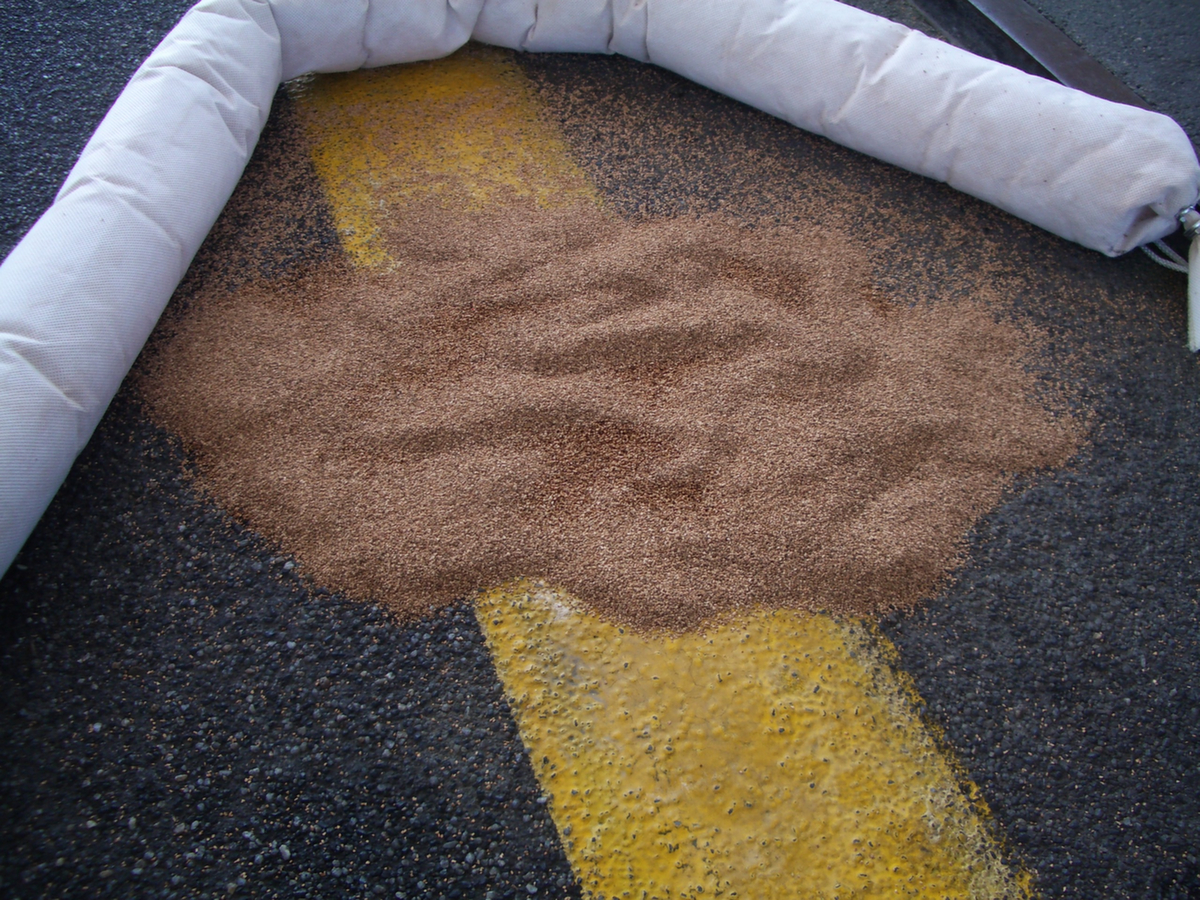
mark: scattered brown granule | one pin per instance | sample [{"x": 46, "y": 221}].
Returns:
[{"x": 669, "y": 418}]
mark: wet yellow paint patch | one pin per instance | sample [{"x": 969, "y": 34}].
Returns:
[
  {"x": 774, "y": 756},
  {"x": 466, "y": 128}
]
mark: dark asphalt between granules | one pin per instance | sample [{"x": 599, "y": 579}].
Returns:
[{"x": 1061, "y": 664}]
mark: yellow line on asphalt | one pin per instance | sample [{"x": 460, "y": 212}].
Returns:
[
  {"x": 466, "y": 129},
  {"x": 774, "y": 756},
  {"x": 778, "y": 755}
]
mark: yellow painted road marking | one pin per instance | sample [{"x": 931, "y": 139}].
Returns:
[
  {"x": 775, "y": 756},
  {"x": 466, "y": 128}
]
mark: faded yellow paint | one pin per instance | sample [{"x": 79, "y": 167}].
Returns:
[
  {"x": 465, "y": 129},
  {"x": 774, "y": 756}
]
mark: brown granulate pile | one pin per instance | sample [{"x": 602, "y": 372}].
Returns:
[{"x": 669, "y": 418}]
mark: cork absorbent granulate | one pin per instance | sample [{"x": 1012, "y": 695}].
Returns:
[{"x": 671, "y": 419}]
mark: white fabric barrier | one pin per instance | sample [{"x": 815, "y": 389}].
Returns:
[{"x": 81, "y": 293}]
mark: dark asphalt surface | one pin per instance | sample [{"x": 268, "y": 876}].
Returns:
[
  {"x": 177, "y": 708},
  {"x": 63, "y": 64}
]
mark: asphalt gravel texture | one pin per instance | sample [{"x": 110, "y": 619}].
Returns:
[
  {"x": 182, "y": 716},
  {"x": 63, "y": 64}
]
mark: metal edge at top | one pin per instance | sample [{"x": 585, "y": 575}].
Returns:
[
  {"x": 1062, "y": 57},
  {"x": 1014, "y": 33}
]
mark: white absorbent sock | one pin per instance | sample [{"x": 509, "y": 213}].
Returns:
[
  {"x": 83, "y": 290},
  {"x": 80, "y": 294}
]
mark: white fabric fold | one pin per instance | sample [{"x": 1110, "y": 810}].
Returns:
[{"x": 83, "y": 290}]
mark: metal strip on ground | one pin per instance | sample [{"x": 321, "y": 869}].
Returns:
[{"x": 1014, "y": 33}]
